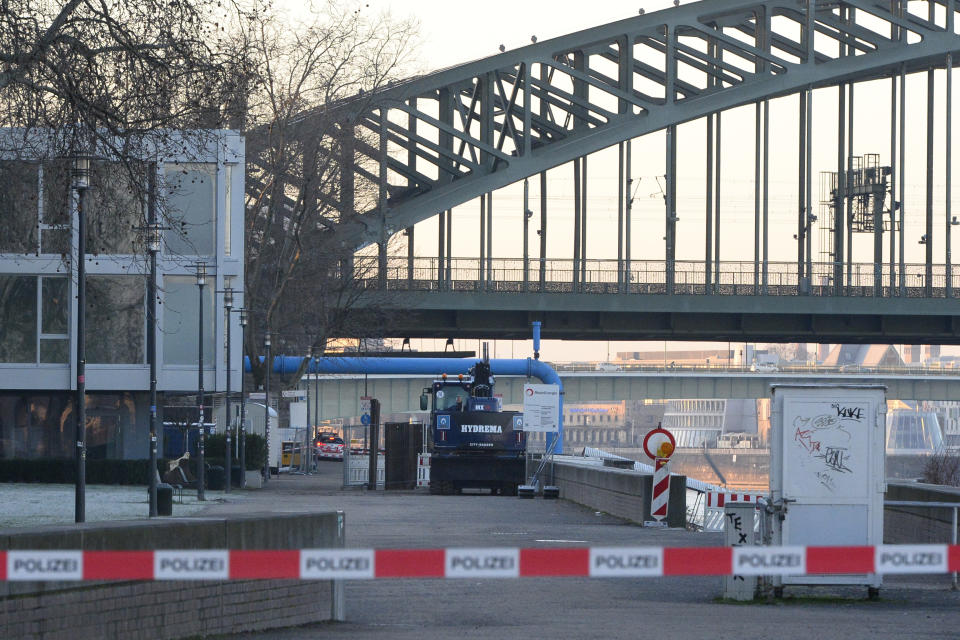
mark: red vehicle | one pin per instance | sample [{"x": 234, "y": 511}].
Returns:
[{"x": 329, "y": 447}]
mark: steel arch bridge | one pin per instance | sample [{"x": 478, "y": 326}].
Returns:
[{"x": 430, "y": 143}]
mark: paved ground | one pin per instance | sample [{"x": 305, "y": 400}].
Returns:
[
  {"x": 36, "y": 504},
  {"x": 912, "y": 607}
]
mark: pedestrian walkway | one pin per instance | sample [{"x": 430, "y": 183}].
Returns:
[{"x": 667, "y": 608}]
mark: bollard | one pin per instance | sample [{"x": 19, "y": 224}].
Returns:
[
  {"x": 338, "y": 602},
  {"x": 739, "y": 532}
]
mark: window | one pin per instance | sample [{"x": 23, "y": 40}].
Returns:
[
  {"x": 114, "y": 208},
  {"x": 55, "y": 232},
  {"x": 54, "y": 320},
  {"x": 19, "y": 209},
  {"x": 115, "y": 306},
  {"x": 227, "y": 208},
  {"x": 181, "y": 320},
  {"x": 20, "y": 310},
  {"x": 18, "y": 318},
  {"x": 191, "y": 190}
]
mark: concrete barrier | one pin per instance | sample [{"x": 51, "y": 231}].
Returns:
[
  {"x": 619, "y": 492},
  {"x": 170, "y": 609}
]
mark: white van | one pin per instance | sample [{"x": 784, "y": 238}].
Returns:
[{"x": 607, "y": 366}]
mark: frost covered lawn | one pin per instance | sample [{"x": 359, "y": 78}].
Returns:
[{"x": 28, "y": 505}]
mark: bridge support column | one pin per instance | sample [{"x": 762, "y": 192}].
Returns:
[
  {"x": 903, "y": 139},
  {"x": 802, "y": 223},
  {"x": 671, "y": 209},
  {"x": 948, "y": 135},
  {"x": 928, "y": 233},
  {"x": 526, "y": 234},
  {"x": 543, "y": 230},
  {"x": 623, "y": 214},
  {"x": 577, "y": 202}
]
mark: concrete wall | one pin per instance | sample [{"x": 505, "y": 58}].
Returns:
[
  {"x": 622, "y": 493},
  {"x": 920, "y": 525},
  {"x": 168, "y": 609}
]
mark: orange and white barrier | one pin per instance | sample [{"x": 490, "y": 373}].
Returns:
[{"x": 504, "y": 562}]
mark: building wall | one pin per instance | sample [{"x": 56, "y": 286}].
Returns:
[{"x": 202, "y": 195}]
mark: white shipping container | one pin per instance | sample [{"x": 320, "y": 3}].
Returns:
[{"x": 827, "y": 469}]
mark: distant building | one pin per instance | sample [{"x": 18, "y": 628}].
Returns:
[
  {"x": 863, "y": 355},
  {"x": 912, "y": 429},
  {"x": 702, "y": 423},
  {"x": 684, "y": 357}
]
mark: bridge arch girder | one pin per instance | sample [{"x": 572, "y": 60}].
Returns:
[{"x": 433, "y": 142}]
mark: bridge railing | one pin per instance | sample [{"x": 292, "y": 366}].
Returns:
[{"x": 553, "y": 275}]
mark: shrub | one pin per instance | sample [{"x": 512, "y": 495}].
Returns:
[
  {"x": 215, "y": 450},
  {"x": 63, "y": 471},
  {"x": 943, "y": 468}
]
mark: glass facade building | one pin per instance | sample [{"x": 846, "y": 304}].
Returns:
[{"x": 199, "y": 197}]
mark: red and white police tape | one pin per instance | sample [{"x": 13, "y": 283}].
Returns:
[{"x": 594, "y": 562}]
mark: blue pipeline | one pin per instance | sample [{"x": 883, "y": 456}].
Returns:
[{"x": 424, "y": 366}]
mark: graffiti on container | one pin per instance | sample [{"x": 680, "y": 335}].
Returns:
[
  {"x": 735, "y": 521},
  {"x": 826, "y": 480}
]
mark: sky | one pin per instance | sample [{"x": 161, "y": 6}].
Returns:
[{"x": 452, "y": 33}]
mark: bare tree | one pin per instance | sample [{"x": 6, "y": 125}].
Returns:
[
  {"x": 299, "y": 147},
  {"x": 787, "y": 352},
  {"x": 114, "y": 78},
  {"x": 943, "y": 467}
]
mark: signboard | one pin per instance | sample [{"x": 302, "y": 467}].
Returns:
[
  {"x": 298, "y": 415},
  {"x": 659, "y": 443},
  {"x": 257, "y": 395},
  {"x": 295, "y": 393},
  {"x": 365, "y": 410},
  {"x": 541, "y": 407}
]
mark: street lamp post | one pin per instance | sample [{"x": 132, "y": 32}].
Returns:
[
  {"x": 201, "y": 445},
  {"x": 81, "y": 182},
  {"x": 307, "y": 454},
  {"x": 268, "y": 363},
  {"x": 242, "y": 429},
  {"x": 228, "y": 305},
  {"x": 153, "y": 231}
]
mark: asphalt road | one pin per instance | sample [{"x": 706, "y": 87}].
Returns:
[{"x": 912, "y": 607}]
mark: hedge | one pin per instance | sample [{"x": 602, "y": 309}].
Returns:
[
  {"x": 63, "y": 471},
  {"x": 215, "y": 450},
  {"x": 132, "y": 472}
]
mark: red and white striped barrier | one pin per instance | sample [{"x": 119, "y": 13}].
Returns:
[
  {"x": 719, "y": 498},
  {"x": 661, "y": 489},
  {"x": 713, "y": 514},
  {"x": 594, "y": 562},
  {"x": 423, "y": 470}
]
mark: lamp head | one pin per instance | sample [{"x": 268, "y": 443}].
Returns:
[
  {"x": 228, "y": 298},
  {"x": 81, "y": 171},
  {"x": 154, "y": 237},
  {"x": 201, "y": 273}
]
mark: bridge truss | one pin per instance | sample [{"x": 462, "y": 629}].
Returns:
[{"x": 420, "y": 147}]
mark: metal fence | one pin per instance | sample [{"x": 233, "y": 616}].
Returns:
[
  {"x": 356, "y": 456},
  {"x": 654, "y": 277}
]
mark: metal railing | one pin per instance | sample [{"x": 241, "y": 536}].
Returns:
[
  {"x": 787, "y": 369},
  {"x": 651, "y": 277},
  {"x": 933, "y": 505}
]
